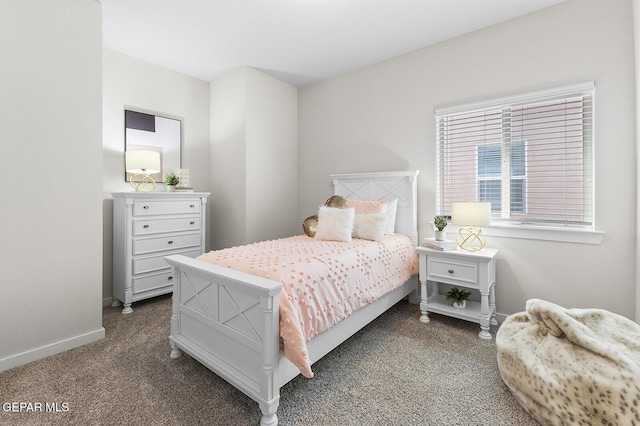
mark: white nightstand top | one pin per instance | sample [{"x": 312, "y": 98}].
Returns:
[{"x": 486, "y": 253}]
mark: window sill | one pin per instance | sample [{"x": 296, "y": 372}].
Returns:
[{"x": 543, "y": 233}]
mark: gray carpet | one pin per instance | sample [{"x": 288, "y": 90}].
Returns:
[{"x": 396, "y": 371}]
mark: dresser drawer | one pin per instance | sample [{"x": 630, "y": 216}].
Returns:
[
  {"x": 157, "y": 263},
  {"x": 156, "y": 226},
  {"x": 452, "y": 271},
  {"x": 172, "y": 242},
  {"x": 152, "y": 282},
  {"x": 151, "y": 207}
]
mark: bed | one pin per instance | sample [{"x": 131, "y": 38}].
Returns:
[{"x": 229, "y": 320}]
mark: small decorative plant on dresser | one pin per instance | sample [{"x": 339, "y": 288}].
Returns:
[
  {"x": 458, "y": 297},
  {"x": 171, "y": 180}
]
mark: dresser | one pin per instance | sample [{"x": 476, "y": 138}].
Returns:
[
  {"x": 146, "y": 228},
  {"x": 467, "y": 270}
]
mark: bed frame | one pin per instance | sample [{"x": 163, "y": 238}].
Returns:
[{"x": 229, "y": 320}]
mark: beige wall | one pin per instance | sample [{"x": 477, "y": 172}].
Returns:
[
  {"x": 131, "y": 83},
  {"x": 381, "y": 118},
  {"x": 51, "y": 220},
  {"x": 253, "y": 158}
]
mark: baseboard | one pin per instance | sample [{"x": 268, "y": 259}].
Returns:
[
  {"x": 107, "y": 301},
  {"x": 50, "y": 349},
  {"x": 501, "y": 317}
]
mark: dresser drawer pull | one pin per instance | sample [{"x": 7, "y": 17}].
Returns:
[
  {"x": 192, "y": 222},
  {"x": 169, "y": 278},
  {"x": 192, "y": 205},
  {"x": 170, "y": 241},
  {"x": 450, "y": 271},
  {"x": 145, "y": 207},
  {"x": 145, "y": 226}
]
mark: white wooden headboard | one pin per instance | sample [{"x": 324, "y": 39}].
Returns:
[{"x": 385, "y": 186}]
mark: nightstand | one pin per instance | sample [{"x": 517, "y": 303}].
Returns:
[{"x": 471, "y": 270}]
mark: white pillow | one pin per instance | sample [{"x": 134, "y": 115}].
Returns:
[
  {"x": 334, "y": 224},
  {"x": 390, "y": 222},
  {"x": 369, "y": 226}
]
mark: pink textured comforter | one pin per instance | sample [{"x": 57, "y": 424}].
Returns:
[{"x": 323, "y": 282}]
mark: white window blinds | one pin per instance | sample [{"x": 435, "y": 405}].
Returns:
[{"x": 530, "y": 156}]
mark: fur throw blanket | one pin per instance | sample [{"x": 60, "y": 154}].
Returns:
[{"x": 572, "y": 366}]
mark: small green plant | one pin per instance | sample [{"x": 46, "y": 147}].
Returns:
[
  {"x": 440, "y": 222},
  {"x": 455, "y": 295},
  {"x": 171, "y": 179}
]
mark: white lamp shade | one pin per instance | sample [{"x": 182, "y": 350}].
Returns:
[
  {"x": 471, "y": 214},
  {"x": 142, "y": 161}
]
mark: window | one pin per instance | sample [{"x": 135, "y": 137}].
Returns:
[
  {"x": 530, "y": 156},
  {"x": 489, "y": 166}
]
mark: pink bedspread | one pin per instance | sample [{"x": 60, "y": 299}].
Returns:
[{"x": 323, "y": 282}]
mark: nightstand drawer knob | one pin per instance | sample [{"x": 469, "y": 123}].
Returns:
[
  {"x": 145, "y": 226},
  {"x": 170, "y": 242},
  {"x": 145, "y": 207},
  {"x": 192, "y": 205},
  {"x": 169, "y": 278},
  {"x": 191, "y": 223},
  {"x": 451, "y": 271}
]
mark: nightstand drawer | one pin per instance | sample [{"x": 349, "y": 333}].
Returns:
[
  {"x": 452, "y": 271},
  {"x": 156, "y": 226},
  {"x": 149, "y": 207},
  {"x": 150, "y": 245}
]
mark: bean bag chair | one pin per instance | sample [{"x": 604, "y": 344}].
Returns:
[{"x": 572, "y": 366}]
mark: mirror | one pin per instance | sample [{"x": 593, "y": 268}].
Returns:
[{"x": 156, "y": 133}]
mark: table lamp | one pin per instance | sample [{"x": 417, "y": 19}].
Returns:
[
  {"x": 142, "y": 163},
  {"x": 470, "y": 216}
]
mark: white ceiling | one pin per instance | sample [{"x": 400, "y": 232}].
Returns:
[{"x": 297, "y": 41}]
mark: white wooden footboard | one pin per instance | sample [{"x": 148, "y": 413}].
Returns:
[{"x": 229, "y": 321}]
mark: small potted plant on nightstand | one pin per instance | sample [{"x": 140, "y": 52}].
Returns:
[
  {"x": 439, "y": 223},
  {"x": 171, "y": 180},
  {"x": 458, "y": 297}
]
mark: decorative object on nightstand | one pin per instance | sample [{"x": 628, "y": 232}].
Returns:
[
  {"x": 434, "y": 244},
  {"x": 471, "y": 216},
  {"x": 439, "y": 223},
  {"x": 146, "y": 228},
  {"x": 462, "y": 269},
  {"x": 171, "y": 180},
  {"x": 457, "y": 297},
  {"x": 142, "y": 163}
]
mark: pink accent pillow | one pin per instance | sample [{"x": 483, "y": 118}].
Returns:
[{"x": 364, "y": 207}]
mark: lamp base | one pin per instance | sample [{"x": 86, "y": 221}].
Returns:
[
  {"x": 144, "y": 183},
  {"x": 471, "y": 239}
]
